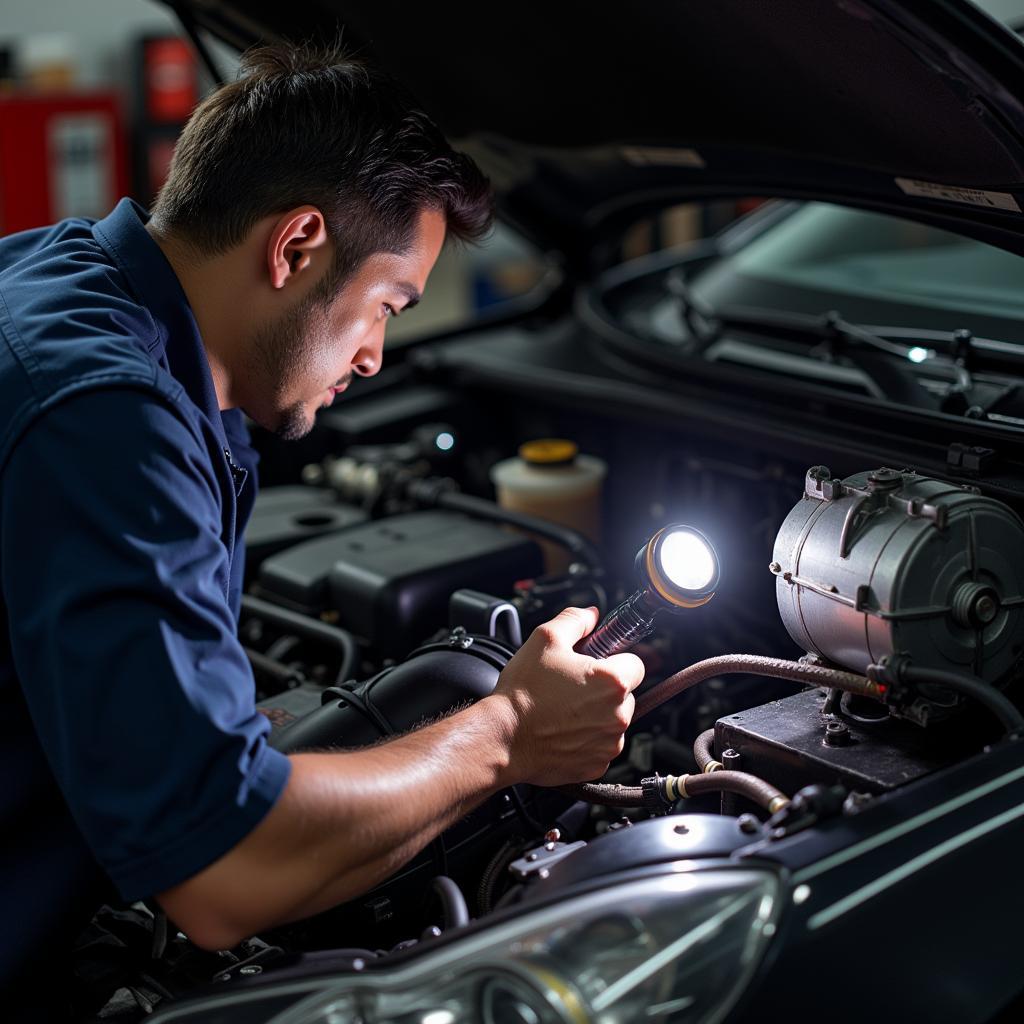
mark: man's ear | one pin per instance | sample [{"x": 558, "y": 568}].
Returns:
[{"x": 298, "y": 242}]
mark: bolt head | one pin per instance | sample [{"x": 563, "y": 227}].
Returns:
[{"x": 985, "y": 609}]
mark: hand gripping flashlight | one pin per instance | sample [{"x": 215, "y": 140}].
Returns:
[{"x": 678, "y": 569}]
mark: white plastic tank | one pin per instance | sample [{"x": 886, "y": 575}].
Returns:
[{"x": 552, "y": 480}]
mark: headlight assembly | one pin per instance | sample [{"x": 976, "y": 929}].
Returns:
[{"x": 675, "y": 948}]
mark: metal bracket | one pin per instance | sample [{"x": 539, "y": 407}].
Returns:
[
  {"x": 487, "y": 615},
  {"x": 537, "y": 863},
  {"x": 969, "y": 460}
]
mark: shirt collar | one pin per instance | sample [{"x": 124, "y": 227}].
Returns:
[{"x": 178, "y": 344}]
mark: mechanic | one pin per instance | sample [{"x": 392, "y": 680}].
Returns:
[{"x": 306, "y": 205}]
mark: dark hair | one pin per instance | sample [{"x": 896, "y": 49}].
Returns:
[{"x": 307, "y": 125}]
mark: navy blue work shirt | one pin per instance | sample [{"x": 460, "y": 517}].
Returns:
[{"x": 131, "y": 753}]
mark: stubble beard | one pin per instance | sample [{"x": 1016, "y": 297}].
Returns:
[{"x": 281, "y": 353}]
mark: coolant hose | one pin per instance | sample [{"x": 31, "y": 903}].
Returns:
[{"x": 762, "y": 793}]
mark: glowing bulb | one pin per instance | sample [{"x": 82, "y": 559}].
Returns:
[
  {"x": 445, "y": 441},
  {"x": 917, "y": 354},
  {"x": 686, "y": 560},
  {"x": 439, "y": 1016}
]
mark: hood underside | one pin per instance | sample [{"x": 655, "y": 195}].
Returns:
[{"x": 585, "y": 115}]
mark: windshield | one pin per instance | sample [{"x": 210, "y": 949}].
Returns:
[
  {"x": 843, "y": 253},
  {"x": 867, "y": 264}
]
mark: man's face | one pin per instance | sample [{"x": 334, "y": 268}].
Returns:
[{"x": 301, "y": 361}]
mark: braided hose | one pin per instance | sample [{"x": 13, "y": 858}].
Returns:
[
  {"x": 762, "y": 793},
  {"x": 704, "y": 752},
  {"x": 755, "y": 665},
  {"x": 743, "y": 783}
]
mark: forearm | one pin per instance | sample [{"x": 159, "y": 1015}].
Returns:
[{"x": 345, "y": 821}]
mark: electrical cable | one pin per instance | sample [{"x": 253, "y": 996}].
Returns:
[
  {"x": 524, "y": 814},
  {"x": 312, "y": 629},
  {"x": 453, "y": 903},
  {"x": 496, "y": 869},
  {"x": 970, "y": 686}
]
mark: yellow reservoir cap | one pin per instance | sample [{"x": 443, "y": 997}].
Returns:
[{"x": 549, "y": 451}]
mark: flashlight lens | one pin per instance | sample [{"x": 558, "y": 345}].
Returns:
[{"x": 686, "y": 560}]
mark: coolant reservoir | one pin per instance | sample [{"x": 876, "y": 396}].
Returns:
[{"x": 550, "y": 479}]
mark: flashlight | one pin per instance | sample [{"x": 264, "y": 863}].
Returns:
[{"x": 678, "y": 569}]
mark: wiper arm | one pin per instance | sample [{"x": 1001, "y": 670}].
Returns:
[{"x": 868, "y": 352}]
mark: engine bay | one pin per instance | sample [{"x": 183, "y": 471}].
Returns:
[{"x": 387, "y": 587}]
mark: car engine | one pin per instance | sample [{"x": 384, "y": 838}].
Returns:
[{"x": 383, "y": 593}]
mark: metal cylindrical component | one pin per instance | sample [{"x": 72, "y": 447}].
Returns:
[{"x": 889, "y": 562}]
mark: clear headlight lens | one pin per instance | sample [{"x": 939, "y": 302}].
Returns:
[{"x": 677, "y": 947}]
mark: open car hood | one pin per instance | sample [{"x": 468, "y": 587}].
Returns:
[{"x": 586, "y": 115}]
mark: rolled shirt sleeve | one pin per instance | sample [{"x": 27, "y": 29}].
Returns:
[{"x": 115, "y": 576}]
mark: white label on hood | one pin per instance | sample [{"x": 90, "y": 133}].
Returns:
[
  {"x": 958, "y": 194},
  {"x": 662, "y": 156}
]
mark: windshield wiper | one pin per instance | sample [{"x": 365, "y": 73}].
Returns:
[{"x": 839, "y": 341}]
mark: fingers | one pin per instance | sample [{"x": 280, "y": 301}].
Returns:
[
  {"x": 570, "y": 625},
  {"x": 627, "y": 668}
]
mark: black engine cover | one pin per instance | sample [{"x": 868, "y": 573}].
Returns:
[{"x": 389, "y": 581}]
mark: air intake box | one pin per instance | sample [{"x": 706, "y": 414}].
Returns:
[{"x": 389, "y": 581}]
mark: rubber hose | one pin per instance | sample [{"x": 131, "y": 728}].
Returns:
[
  {"x": 743, "y": 783},
  {"x": 755, "y": 665},
  {"x": 453, "y": 903},
  {"x": 725, "y": 664},
  {"x": 312, "y": 629},
  {"x": 970, "y": 686},
  {"x": 704, "y": 749}
]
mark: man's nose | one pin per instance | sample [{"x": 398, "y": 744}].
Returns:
[{"x": 369, "y": 358}]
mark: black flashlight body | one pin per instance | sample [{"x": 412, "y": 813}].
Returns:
[{"x": 622, "y": 628}]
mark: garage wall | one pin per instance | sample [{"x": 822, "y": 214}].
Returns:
[{"x": 101, "y": 30}]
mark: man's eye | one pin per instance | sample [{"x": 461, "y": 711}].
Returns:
[{"x": 389, "y": 310}]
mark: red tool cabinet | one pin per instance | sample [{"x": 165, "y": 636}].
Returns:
[{"x": 60, "y": 156}]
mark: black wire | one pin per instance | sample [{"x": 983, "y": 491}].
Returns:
[
  {"x": 453, "y": 903},
  {"x": 970, "y": 686},
  {"x": 521, "y": 809}
]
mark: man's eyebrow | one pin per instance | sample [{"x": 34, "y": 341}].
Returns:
[{"x": 411, "y": 293}]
